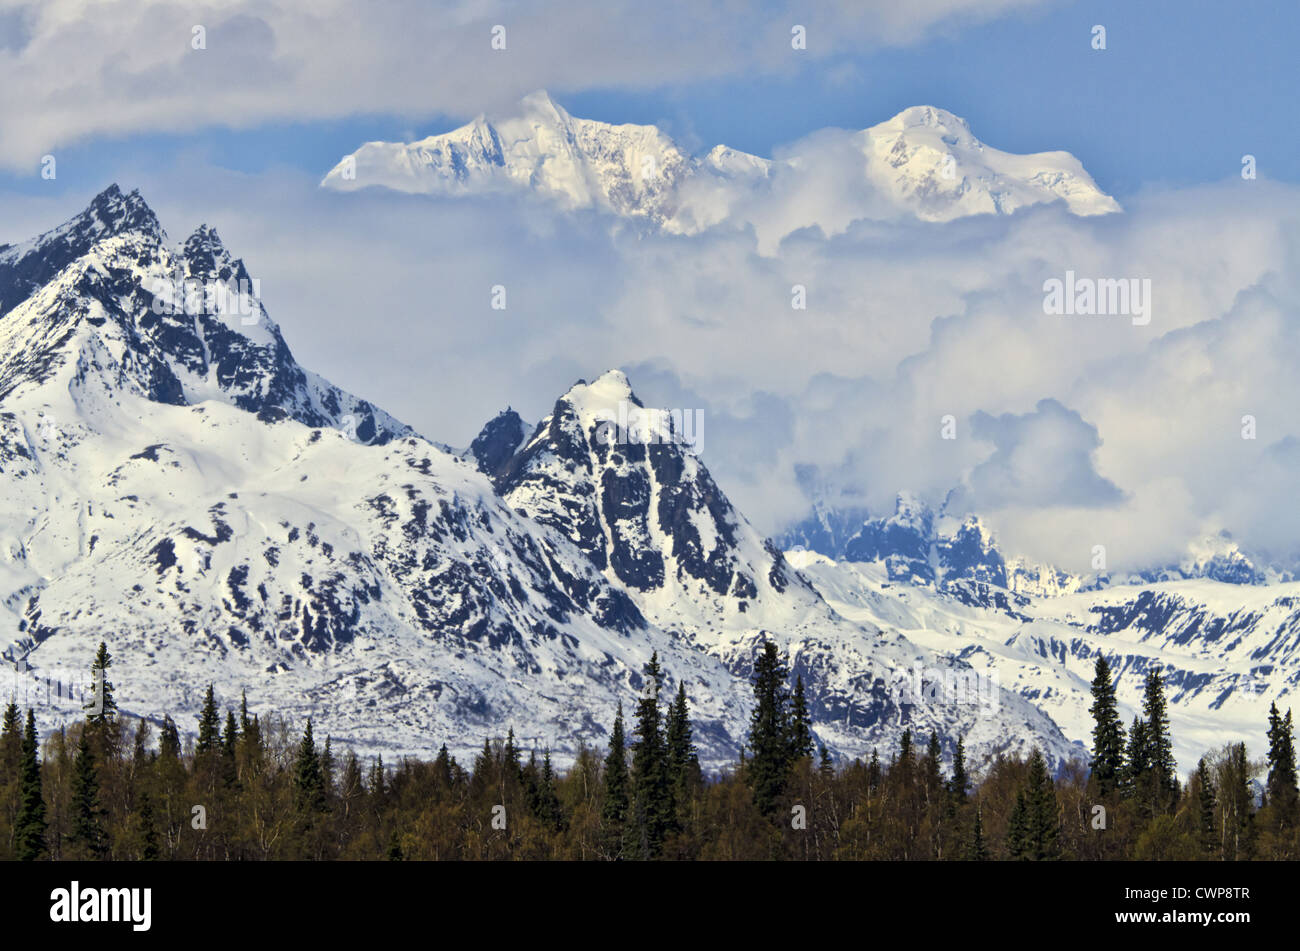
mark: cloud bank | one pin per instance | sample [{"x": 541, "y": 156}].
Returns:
[{"x": 71, "y": 70}]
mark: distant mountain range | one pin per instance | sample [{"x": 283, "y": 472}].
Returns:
[
  {"x": 923, "y": 163},
  {"x": 176, "y": 484}
]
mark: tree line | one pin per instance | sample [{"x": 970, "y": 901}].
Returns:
[{"x": 251, "y": 787}]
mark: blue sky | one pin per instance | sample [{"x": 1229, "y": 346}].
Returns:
[{"x": 1182, "y": 91}]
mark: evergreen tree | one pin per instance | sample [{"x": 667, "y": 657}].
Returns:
[
  {"x": 169, "y": 740},
  {"x": 441, "y": 768},
  {"x": 140, "y": 746},
  {"x": 976, "y": 848},
  {"x": 873, "y": 772},
  {"x": 1281, "y": 788},
  {"x": 548, "y": 810},
  {"x": 11, "y": 763},
  {"x": 1205, "y": 801},
  {"x": 209, "y": 726},
  {"x": 88, "y": 832},
  {"x": 30, "y": 827},
  {"x": 145, "y": 833},
  {"x": 1236, "y": 804},
  {"x": 1163, "y": 777},
  {"x": 102, "y": 708},
  {"x": 514, "y": 771},
  {"x": 614, "y": 810},
  {"x": 1042, "y": 820},
  {"x": 801, "y": 738},
  {"x": 652, "y": 800},
  {"x": 960, "y": 782},
  {"x": 1107, "y": 732},
  {"x": 769, "y": 730},
  {"x": 1018, "y": 845},
  {"x": 327, "y": 768},
  {"x": 683, "y": 760},
  {"x": 933, "y": 758},
  {"x": 309, "y": 785},
  {"x": 825, "y": 765},
  {"x": 229, "y": 744},
  {"x": 1137, "y": 761}
]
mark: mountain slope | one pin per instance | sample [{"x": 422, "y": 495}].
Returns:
[
  {"x": 621, "y": 482},
  {"x": 1226, "y": 651}
]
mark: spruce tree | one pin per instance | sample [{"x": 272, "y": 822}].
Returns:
[
  {"x": 976, "y": 848},
  {"x": 683, "y": 761},
  {"x": 308, "y": 783},
  {"x": 1237, "y": 804},
  {"x": 1042, "y": 829},
  {"x": 209, "y": 740},
  {"x": 933, "y": 758},
  {"x": 88, "y": 832},
  {"x": 229, "y": 744},
  {"x": 1137, "y": 762},
  {"x": 1018, "y": 844},
  {"x": 873, "y": 772},
  {"x": 100, "y": 707},
  {"x": 769, "y": 730},
  {"x": 960, "y": 782},
  {"x": 30, "y": 827},
  {"x": 801, "y": 738},
  {"x": 11, "y": 762},
  {"x": 441, "y": 769},
  {"x": 549, "y": 812},
  {"x": 1107, "y": 732},
  {"x": 1160, "y": 748},
  {"x": 169, "y": 740},
  {"x": 145, "y": 833},
  {"x": 826, "y": 765},
  {"x": 514, "y": 771},
  {"x": 1281, "y": 786},
  {"x": 1209, "y": 840},
  {"x": 614, "y": 810},
  {"x": 652, "y": 797}
]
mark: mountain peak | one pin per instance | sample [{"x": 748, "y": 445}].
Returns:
[
  {"x": 28, "y": 265},
  {"x": 602, "y": 394},
  {"x": 930, "y": 117},
  {"x": 540, "y": 103},
  {"x": 117, "y": 213}
]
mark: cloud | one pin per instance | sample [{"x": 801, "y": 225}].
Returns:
[
  {"x": 1072, "y": 431},
  {"x": 1041, "y": 459},
  {"x": 73, "y": 70}
]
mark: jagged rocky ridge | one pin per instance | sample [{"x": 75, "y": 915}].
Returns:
[{"x": 177, "y": 485}]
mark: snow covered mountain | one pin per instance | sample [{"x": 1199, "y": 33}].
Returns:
[
  {"x": 925, "y": 546},
  {"x": 625, "y": 169},
  {"x": 924, "y": 162},
  {"x": 1226, "y": 651},
  {"x": 177, "y": 485},
  {"x": 620, "y": 481}
]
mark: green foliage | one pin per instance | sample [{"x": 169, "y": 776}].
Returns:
[
  {"x": 1107, "y": 733},
  {"x": 648, "y": 798},
  {"x": 769, "y": 730}
]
